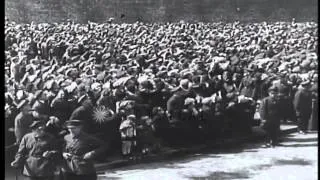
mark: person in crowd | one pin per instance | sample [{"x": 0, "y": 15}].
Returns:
[
  {"x": 206, "y": 113},
  {"x": 84, "y": 113},
  {"x": 23, "y": 120},
  {"x": 303, "y": 105},
  {"x": 313, "y": 125},
  {"x": 270, "y": 116},
  {"x": 147, "y": 142},
  {"x": 61, "y": 107},
  {"x": 79, "y": 152},
  {"x": 161, "y": 124},
  {"x": 128, "y": 132},
  {"x": 37, "y": 154},
  {"x": 247, "y": 83},
  {"x": 287, "y": 109}
]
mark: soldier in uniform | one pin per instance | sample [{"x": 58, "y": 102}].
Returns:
[
  {"x": 303, "y": 106},
  {"x": 79, "y": 151},
  {"x": 270, "y": 115},
  {"x": 36, "y": 154}
]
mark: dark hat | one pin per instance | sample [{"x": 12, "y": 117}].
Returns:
[
  {"x": 273, "y": 89},
  {"x": 146, "y": 85},
  {"x": 73, "y": 123},
  {"x": 283, "y": 89},
  {"x": 81, "y": 87},
  {"x": 36, "y": 124},
  {"x": 196, "y": 81}
]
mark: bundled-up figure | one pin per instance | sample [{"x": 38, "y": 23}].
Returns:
[
  {"x": 270, "y": 112},
  {"x": 208, "y": 122},
  {"x": 313, "y": 123},
  {"x": 176, "y": 103},
  {"x": 37, "y": 153},
  {"x": 191, "y": 121},
  {"x": 23, "y": 120},
  {"x": 190, "y": 114},
  {"x": 79, "y": 151},
  {"x": 146, "y": 139},
  {"x": 161, "y": 123},
  {"x": 287, "y": 109},
  {"x": 303, "y": 105},
  {"x": 128, "y": 135},
  {"x": 219, "y": 115}
]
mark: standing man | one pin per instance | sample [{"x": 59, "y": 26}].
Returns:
[
  {"x": 37, "y": 153},
  {"x": 23, "y": 120},
  {"x": 79, "y": 150},
  {"x": 303, "y": 106},
  {"x": 313, "y": 122},
  {"x": 270, "y": 116}
]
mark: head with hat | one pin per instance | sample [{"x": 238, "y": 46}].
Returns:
[
  {"x": 158, "y": 111},
  {"x": 38, "y": 127},
  {"x": 24, "y": 106},
  {"x": 273, "y": 90},
  {"x": 185, "y": 84},
  {"x": 146, "y": 86},
  {"x": 226, "y": 76},
  {"x": 314, "y": 78},
  {"x": 131, "y": 117},
  {"x": 74, "y": 127},
  {"x": 196, "y": 81},
  {"x": 189, "y": 102}
]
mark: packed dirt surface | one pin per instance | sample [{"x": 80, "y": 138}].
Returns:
[{"x": 296, "y": 158}]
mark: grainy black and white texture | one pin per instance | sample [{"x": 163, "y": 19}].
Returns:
[{"x": 142, "y": 77}]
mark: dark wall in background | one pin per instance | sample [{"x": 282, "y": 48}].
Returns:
[{"x": 160, "y": 10}]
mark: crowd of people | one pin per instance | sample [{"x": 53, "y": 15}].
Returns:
[{"x": 139, "y": 86}]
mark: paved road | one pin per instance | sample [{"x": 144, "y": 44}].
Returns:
[{"x": 295, "y": 159}]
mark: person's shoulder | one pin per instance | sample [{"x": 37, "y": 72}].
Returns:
[
  {"x": 29, "y": 135},
  {"x": 19, "y": 115},
  {"x": 299, "y": 91},
  {"x": 79, "y": 108}
]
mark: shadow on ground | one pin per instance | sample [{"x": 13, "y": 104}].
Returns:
[
  {"x": 301, "y": 140},
  {"x": 294, "y": 161},
  {"x": 221, "y": 175},
  {"x": 299, "y": 145},
  {"x": 215, "y": 151}
]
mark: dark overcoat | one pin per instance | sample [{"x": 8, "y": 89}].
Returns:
[{"x": 270, "y": 112}]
